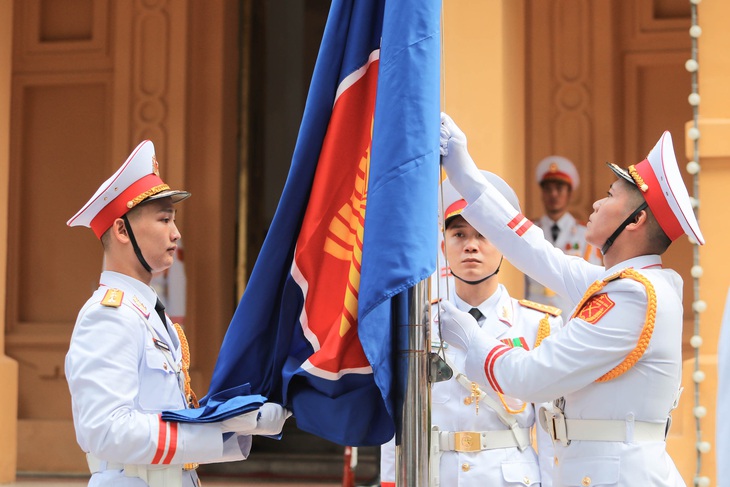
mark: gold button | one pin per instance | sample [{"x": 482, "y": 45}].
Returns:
[
  {"x": 586, "y": 481},
  {"x": 465, "y": 467},
  {"x": 164, "y": 366},
  {"x": 467, "y": 400},
  {"x": 526, "y": 481},
  {"x": 556, "y": 460}
]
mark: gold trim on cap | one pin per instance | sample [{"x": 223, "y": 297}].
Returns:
[
  {"x": 638, "y": 179},
  {"x": 157, "y": 189}
]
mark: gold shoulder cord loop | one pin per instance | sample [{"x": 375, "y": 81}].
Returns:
[
  {"x": 189, "y": 394},
  {"x": 543, "y": 331},
  {"x": 649, "y": 321}
]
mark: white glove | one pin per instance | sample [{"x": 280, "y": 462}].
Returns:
[
  {"x": 458, "y": 328},
  {"x": 271, "y": 419},
  {"x": 267, "y": 420},
  {"x": 463, "y": 173},
  {"x": 243, "y": 424}
]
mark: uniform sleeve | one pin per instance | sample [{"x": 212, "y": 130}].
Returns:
[
  {"x": 577, "y": 355},
  {"x": 103, "y": 374},
  {"x": 523, "y": 245},
  {"x": 387, "y": 464}
]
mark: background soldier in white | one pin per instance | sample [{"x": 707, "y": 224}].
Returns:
[
  {"x": 615, "y": 368},
  {"x": 558, "y": 178},
  {"x": 127, "y": 362},
  {"x": 476, "y": 444}
]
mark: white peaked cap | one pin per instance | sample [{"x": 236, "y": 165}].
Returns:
[
  {"x": 136, "y": 181},
  {"x": 661, "y": 184},
  {"x": 557, "y": 168}
]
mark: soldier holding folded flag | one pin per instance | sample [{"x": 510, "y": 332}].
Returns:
[{"x": 127, "y": 362}]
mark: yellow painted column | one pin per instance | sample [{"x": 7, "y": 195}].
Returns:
[
  {"x": 714, "y": 179},
  {"x": 8, "y": 366},
  {"x": 483, "y": 90}
]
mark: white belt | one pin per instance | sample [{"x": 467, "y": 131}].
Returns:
[
  {"x": 472, "y": 441},
  {"x": 566, "y": 430},
  {"x": 154, "y": 475}
]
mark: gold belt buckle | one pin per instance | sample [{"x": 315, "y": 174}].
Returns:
[
  {"x": 190, "y": 466},
  {"x": 467, "y": 441}
]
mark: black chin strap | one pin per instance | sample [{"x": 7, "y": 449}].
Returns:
[
  {"x": 136, "y": 248},
  {"x": 479, "y": 281},
  {"x": 621, "y": 227}
]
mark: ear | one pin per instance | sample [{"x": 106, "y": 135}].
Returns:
[
  {"x": 640, "y": 221},
  {"x": 119, "y": 231}
]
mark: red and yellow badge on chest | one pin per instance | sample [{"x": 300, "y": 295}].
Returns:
[{"x": 595, "y": 308}]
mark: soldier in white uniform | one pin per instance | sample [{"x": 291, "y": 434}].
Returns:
[
  {"x": 127, "y": 362},
  {"x": 558, "y": 178},
  {"x": 480, "y": 440},
  {"x": 614, "y": 370}
]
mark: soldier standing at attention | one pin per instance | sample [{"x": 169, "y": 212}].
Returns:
[
  {"x": 480, "y": 437},
  {"x": 558, "y": 178}
]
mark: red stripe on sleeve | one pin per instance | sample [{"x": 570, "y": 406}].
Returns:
[
  {"x": 492, "y": 384},
  {"x": 516, "y": 220},
  {"x": 161, "y": 440},
  {"x": 521, "y": 231},
  {"x": 173, "y": 444},
  {"x": 489, "y": 366}
]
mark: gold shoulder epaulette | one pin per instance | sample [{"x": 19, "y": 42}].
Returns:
[
  {"x": 541, "y": 307},
  {"x": 614, "y": 276},
  {"x": 113, "y": 298}
]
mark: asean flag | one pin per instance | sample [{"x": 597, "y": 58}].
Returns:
[{"x": 353, "y": 231}]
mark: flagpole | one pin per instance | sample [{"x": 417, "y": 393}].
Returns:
[{"x": 412, "y": 453}]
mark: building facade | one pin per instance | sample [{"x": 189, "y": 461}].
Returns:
[{"x": 219, "y": 86}]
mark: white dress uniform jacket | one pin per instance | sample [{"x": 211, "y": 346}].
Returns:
[
  {"x": 571, "y": 240},
  {"x": 606, "y": 331},
  {"x": 120, "y": 381},
  {"x": 453, "y": 408}
]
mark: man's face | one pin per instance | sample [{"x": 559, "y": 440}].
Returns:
[
  {"x": 470, "y": 255},
  {"x": 153, "y": 224},
  {"x": 609, "y": 212},
  {"x": 555, "y": 197}
]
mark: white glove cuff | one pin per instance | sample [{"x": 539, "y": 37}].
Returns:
[
  {"x": 476, "y": 356},
  {"x": 244, "y": 424}
]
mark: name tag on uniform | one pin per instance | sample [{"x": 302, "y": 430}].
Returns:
[{"x": 161, "y": 345}]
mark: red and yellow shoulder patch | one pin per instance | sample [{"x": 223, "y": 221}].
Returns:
[{"x": 595, "y": 308}]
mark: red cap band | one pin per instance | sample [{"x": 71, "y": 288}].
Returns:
[
  {"x": 118, "y": 206},
  {"x": 658, "y": 203}
]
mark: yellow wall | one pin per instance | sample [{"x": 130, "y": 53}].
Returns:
[
  {"x": 8, "y": 367},
  {"x": 714, "y": 181}
]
